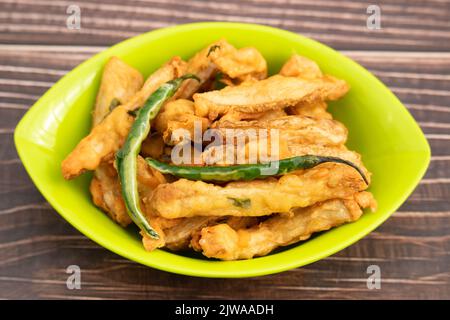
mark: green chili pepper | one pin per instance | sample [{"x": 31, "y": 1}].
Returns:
[
  {"x": 127, "y": 155},
  {"x": 247, "y": 171}
]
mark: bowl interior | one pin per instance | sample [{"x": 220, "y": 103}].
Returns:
[{"x": 380, "y": 128}]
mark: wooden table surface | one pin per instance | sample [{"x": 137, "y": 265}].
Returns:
[{"x": 410, "y": 54}]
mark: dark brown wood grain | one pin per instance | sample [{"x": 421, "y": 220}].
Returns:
[
  {"x": 412, "y": 247},
  {"x": 411, "y": 25}
]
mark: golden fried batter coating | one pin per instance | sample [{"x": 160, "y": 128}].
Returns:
[
  {"x": 179, "y": 236},
  {"x": 241, "y": 222},
  {"x": 176, "y": 234},
  {"x": 223, "y": 242},
  {"x": 245, "y": 64},
  {"x": 314, "y": 109},
  {"x": 238, "y": 116},
  {"x": 271, "y": 114},
  {"x": 202, "y": 66},
  {"x": 119, "y": 83},
  {"x": 229, "y": 220},
  {"x": 285, "y": 150},
  {"x": 276, "y": 92},
  {"x": 294, "y": 129},
  {"x": 338, "y": 152},
  {"x": 108, "y": 136},
  {"x": 252, "y": 151},
  {"x": 178, "y": 114},
  {"x": 153, "y": 146},
  {"x": 186, "y": 198},
  {"x": 106, "y": 193},
  {"x": 298, "y": 66},
  {"x": 172, "y": 110}
]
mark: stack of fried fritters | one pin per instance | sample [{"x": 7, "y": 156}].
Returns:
[{"x": 271, "y": 212}]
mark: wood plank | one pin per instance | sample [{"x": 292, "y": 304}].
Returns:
[
  {"x": 405, "y": 25},
  {"x": 26, "y": 72},
  {"x": 410, "y": 260},
  {"x": 412, "y": 247}
]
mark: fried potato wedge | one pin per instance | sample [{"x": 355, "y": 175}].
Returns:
[
  {"x": 276, "y": 92},
  {"x": 109, "y": 135},
  {"x": 186, "y": 198},
  {"x": 223, "y": 242}
]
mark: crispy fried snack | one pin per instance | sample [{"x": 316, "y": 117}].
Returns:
[
  {"x": 338, "y": 152},
  {"x": 153, "y": 146},
  {"x": 185, "y": 198},
  {"x": 181, "y": 233},
  {"x": 108, "y": 136},
  {"x": 253, "y": 151},
  {"x": 106, "y": 193},
  {"x": 242, "y": 65},
  {"x": 178, "y": 114},
  {"x": 228, "y": 220},
  {"x": 238, "y": 116},
  {"x": 223, "y": 242},
  {"x": 276, "y": 92},
  {"x": 298, "y": 66},
  {"x": 285, "y": 150},
  {"x": 202, "y": 66},
  {"x": 271, "y": 114},
  {"x": 245, "y": 64},
  {"x": 315, "y": 109},
  {"x": 119, "y": 83},
  {"x": 236, "y": 223},
  {"x": 294, "y": 129},
  {"x": 179, "y": 236},
  {"x": 301, "y": 67}
]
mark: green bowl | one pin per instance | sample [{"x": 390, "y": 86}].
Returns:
[{"x": 392, "y": 145}]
